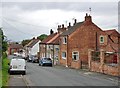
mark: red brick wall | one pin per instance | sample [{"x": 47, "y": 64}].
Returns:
[
  {"x": 41, "y": 50},
  {"x": 110, "y": 70}
]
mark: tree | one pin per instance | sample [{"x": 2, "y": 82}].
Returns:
[
  {"x": 3, "y": 42},
  {"x": 42, "y": 37},
  {"x": 24, "y": 42}
]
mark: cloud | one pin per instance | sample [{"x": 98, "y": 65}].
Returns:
[{"x": 28, "y": 19}]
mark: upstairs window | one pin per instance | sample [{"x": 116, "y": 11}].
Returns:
[
  {"x": 75, "y": 55},
  {"x": 64, "y": 40},
  {"x": 101, "y": 39}
]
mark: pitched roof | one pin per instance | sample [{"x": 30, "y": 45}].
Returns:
[
  {"x": 72, "y": 29},
  {"x": 51, "y": 39},
  {"x": 32, "y": 42},
  {"x": 112, "y": 31},
  {"x": 18, "y": 46}
]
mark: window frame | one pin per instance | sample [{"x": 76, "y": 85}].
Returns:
[
  {"x": 100, "y": 39},
  {"x": 64, "y": 40},
  {"x": 65, "y": 55},
  {"x": 75, "y": 54}
]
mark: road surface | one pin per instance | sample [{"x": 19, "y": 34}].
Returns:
[{"x": 59, "y": 76}]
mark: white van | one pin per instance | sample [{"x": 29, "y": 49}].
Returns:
[{"x": 17, "y": 65}]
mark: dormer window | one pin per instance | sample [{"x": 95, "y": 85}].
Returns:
[
  {"x": 101, "y": 39},
  {"x": 64, "y": 40}
]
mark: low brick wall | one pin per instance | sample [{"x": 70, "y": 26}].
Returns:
[
  {"x": 106, "y": 69},
  {"x": 63, "y": 62},
  {"x": 111, "y": 70},
  {"x": 95, "y": 66}
]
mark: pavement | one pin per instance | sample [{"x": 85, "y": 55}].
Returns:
[{"x": 17, "y": 81}]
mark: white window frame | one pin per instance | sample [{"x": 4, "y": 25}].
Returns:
[
  {"x": 100, "y": 39},
  {"x": 62, "y": 55},
  {"x": 75, "y": 54},
  {"x": 64, "y": 42}
]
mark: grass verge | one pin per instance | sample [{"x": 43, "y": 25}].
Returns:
[{"x": 5, "y": 75}]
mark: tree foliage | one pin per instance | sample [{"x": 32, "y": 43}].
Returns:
[
  {"x": 24, "y": 42},
  {"x": 3, "y": 42},
  {"x": 42, "y": 37}
]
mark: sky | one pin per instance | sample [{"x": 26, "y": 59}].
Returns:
[{"x": 22, "y": 20}]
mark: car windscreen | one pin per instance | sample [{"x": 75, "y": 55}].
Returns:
[{"x": 47, "y": 59}]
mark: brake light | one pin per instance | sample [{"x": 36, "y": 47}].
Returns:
[{"x": 10, "y": 67}]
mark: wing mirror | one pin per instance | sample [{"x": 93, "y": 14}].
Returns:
[{"x": 8, "y": 63}]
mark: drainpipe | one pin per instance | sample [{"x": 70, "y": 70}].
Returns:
[
  {"x": 118, "y": 57},
  {"x": 53, "y": 54},
  {"x": 67, "y": 53},
  {"x": 45, "y": 50},
  {"x": 96, "y": 42}
]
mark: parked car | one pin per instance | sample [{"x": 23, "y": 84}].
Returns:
[
  {"x": 35, "y": 59},
  {"x": 45, "y": 62},
  {"x": 17, "y": 65},
  {"x": 29, "y": 58}
]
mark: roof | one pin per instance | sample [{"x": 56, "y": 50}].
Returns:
[
  {"x": 72, "y": 29},
  {"x": 18, "y": 46},
  {"x": 111, "y": 31},
  {"x": 51, "y": 39},
  {"x": 113, "y": 45},
  {"x": 32, "y": 42}
]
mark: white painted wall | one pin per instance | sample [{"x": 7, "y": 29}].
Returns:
[{"x": 35, "y": 49}]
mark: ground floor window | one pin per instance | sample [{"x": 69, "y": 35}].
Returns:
[
  {"x": 75, "y": 55},
  {"x": 64, "y": 55}
]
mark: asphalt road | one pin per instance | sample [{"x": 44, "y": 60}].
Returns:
[{"x": 59, "y": 76}]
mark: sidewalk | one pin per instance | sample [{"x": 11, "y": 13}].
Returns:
[{"x": 16, "y": 81}]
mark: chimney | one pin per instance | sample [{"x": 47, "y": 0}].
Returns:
[
  {"x": 51, "y": 31},
  {"x": 75, "y": 21},
  {"x": 61, "y": 29},
  {"x": 88, "y": 18}
]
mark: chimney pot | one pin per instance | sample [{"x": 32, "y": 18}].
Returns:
[
  {"x": 51, "y": 31},
  {"x": 69, "y": 24},
  {"x": 62, "y": 25},
  {"x": 75, "y": 21},
  {"x": 33, "y": 37}
]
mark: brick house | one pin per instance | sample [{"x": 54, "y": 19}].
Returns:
[
  {"x": 49, "y": 47},
  {"x": 13, "y": 47},
  {"x": 78, "y": 39}
]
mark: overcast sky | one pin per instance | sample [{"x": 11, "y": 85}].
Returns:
[{"x": 24, "y": 20}]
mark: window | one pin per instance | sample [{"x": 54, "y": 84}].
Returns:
[
  {"x": 64, "y": 55},
  {"x": 64, "y": 40},
  {"x": 101, "y": 39},
  {"x": 75, "y": 55}
]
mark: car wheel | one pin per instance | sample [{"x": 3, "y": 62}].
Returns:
[
  {"x": 24, "y": 73},
  {"x": 10, "y": 72},
  {"x": 39, "y": 64}
]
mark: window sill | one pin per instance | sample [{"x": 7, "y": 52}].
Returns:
[{"x": 63, "y": 58}]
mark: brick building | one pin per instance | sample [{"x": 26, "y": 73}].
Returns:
[
  {"x": 13, "y": 47},
  {"x": 82, "y": 36},
  {"x": 49, "y": 47}
]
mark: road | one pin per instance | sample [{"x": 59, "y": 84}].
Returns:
[{"x": 59, "y": 76}]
